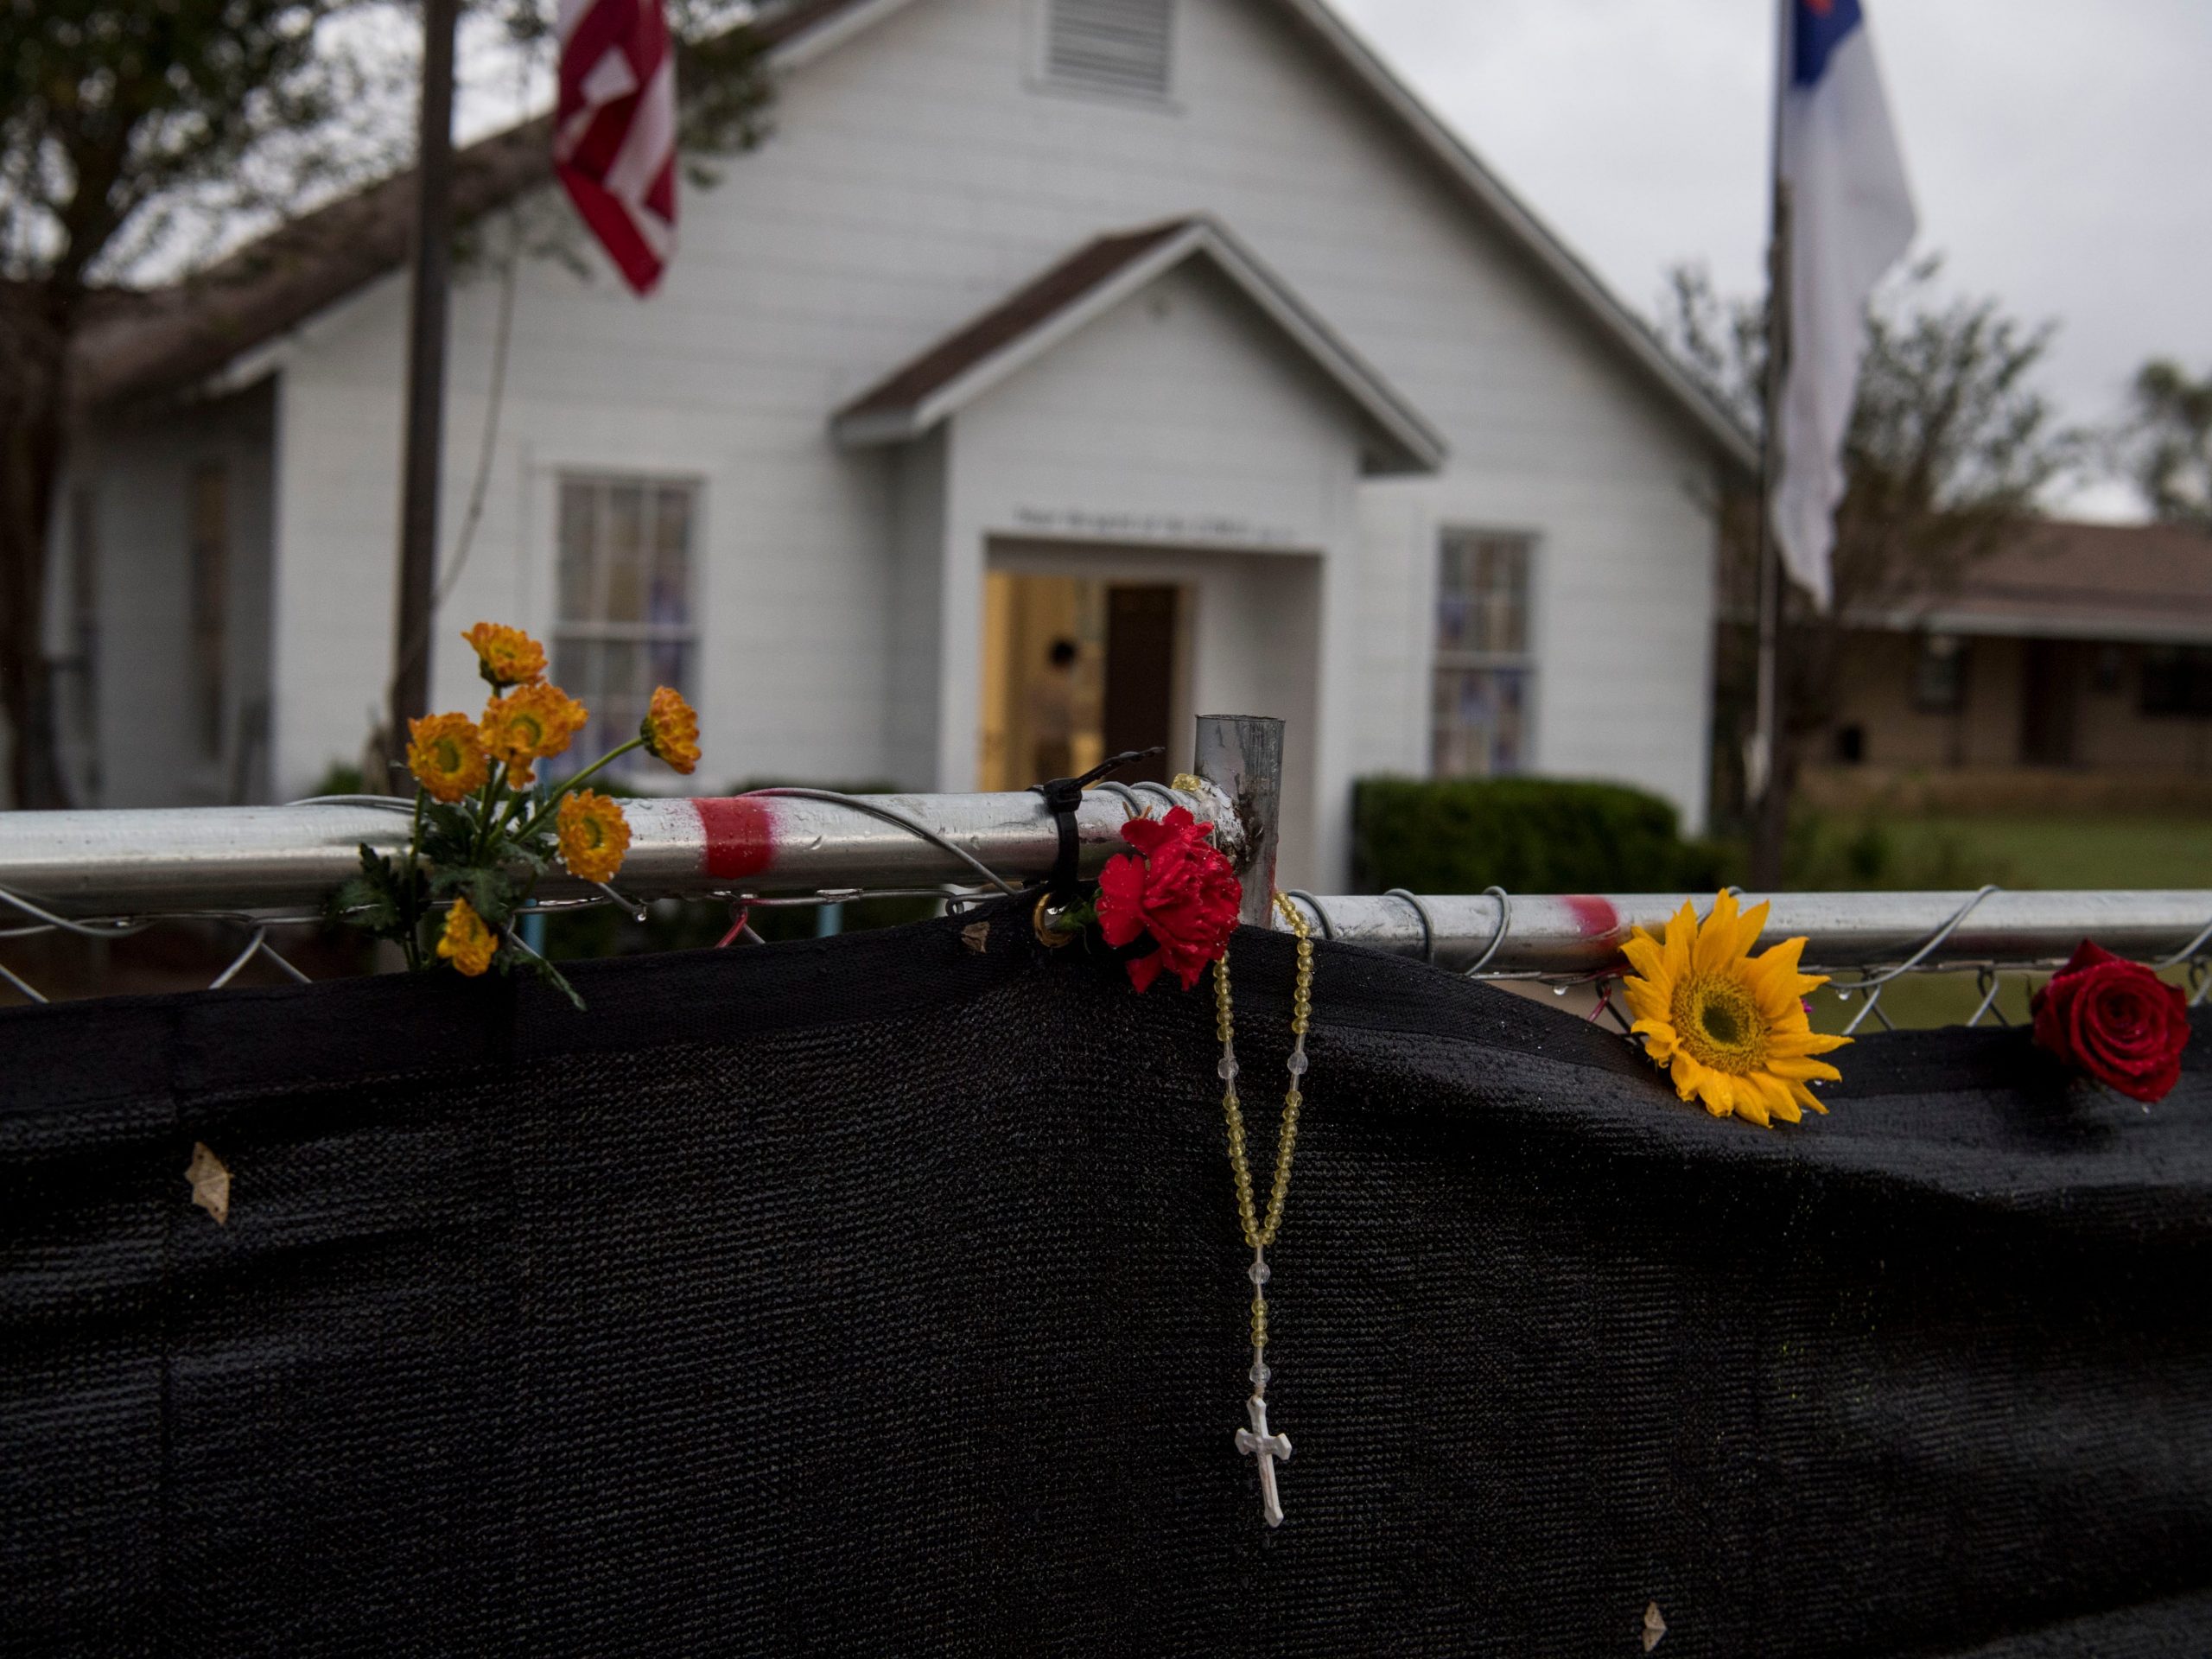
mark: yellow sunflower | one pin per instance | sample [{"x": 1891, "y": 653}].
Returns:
[
  {"x": 467, "y": 943},
  {"x": 445, "y": 754},
  {"x": 506, "y": 655},
  {"x": 1728, "y": 1028},
  {"x": 593, "y": 834},
  {"x": 672, "y": 729},
  {"x": 530, "y": 724}
]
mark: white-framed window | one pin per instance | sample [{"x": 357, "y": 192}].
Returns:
[
  {"x": 624, "y": 622},
  {"x": 1484, "y": 677},
  {"x": 1939, "y": 673},
  {"x": 1119, "y": 46}
]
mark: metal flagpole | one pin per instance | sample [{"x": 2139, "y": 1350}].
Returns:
[
  {"x": 424, "y": 438},
  {"x": 1762, "y": 761}
]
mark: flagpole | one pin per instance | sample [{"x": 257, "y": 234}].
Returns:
[
  {"x": 1763, "y": 762},
  {"x": 424, "y": 438}
]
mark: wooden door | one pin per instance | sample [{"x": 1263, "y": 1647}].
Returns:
[
  {"x": 1141, "y": 639},
  {"x": 2051, "y": 692}
]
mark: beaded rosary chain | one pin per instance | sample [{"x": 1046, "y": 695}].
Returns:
[
  {"x": 1265, "y": 1447},
  {"x": 1259, "y": 1236}
]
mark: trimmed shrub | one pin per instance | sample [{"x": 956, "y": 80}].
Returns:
[{"x": 1526, "y": 835}]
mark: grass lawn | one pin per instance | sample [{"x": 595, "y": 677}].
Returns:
[
  {"x": 2050, "y": 851},
  {"x": 2092, "y": 852},
  {"x": 2055, "y": 850}
]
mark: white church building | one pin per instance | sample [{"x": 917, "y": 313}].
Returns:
[{"x": 1054, "y": 370}]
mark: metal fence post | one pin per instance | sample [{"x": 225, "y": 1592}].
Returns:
[{"x": 1241, "y": 755}]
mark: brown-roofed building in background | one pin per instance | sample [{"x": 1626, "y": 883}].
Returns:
[{"x": 2081, "y": 649}]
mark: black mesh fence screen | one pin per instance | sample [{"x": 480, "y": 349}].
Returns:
[{"x": 884, "y": 1295}]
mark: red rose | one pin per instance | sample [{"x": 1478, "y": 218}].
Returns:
[
  {"x": 2116, "y": 1021},
  {"x": 1176, "y": 887}
]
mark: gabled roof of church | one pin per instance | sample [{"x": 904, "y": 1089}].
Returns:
[
  {"x": 1101, "y": 274},
  {"x": 134, "y": 345}
]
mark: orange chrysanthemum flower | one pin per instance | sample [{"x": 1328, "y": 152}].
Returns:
[
  {"x": 593, "y": 834},
  {"x": 445, "y": 754},
  {"x": 506, "y": 655},
  {"x": 467, "y": 943},
  {"x": 672, "y": 729},
  {"x": 529, "y": 724}
]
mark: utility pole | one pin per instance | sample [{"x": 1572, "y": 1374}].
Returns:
[
  {"x": 1765, "y": 766},
  {"x": 425, "y": 437}
]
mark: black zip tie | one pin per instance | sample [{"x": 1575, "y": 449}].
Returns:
[{"x": 1062, "y": 797}]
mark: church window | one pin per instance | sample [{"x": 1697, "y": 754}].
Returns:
[
  {"x": 625, "y": 622},
  {"x": 1485, "y": 674},
  {"x": 1109, "y": 45}
]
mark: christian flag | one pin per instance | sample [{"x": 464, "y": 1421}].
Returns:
[
  {"x": 614, "y": 131},
  {"x": 1851, "y": 217}
]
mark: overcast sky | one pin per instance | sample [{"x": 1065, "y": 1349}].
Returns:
[{"x": 2060, "y": 150}]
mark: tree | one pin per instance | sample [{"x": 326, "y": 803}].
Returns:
[
  {"x": 2168, "y": 442},
  {"x": 1949, "y": 449},
  {"x": 117, "y": 122},
  {"x": 142, "y": 132}
]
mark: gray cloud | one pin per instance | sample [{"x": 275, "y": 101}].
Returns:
[{"x": 2061, "y": 152}]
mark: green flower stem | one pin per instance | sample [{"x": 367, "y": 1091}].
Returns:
[
  {"x": 484, "y": 817},
  {"x": 553, "y": 804},
  {"x": 1076, "y": 917}
]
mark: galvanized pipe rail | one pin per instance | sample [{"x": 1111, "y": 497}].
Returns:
[
  {"x": 261, "y": 865},
  {"x": 1579, "y": 936},
  {"x": 256, "y": 861}
]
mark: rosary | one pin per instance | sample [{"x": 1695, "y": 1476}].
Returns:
[{"x": 1256, "y": 1441}]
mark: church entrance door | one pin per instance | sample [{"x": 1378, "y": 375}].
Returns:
[{"x": 1075, "y": 670}]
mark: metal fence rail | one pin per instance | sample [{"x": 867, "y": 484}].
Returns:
[
  {"x": 105, "y": 875},
  {"x": 1579, "y": 935}
]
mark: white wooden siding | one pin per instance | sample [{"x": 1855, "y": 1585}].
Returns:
[{"x": 915, "y": 177}]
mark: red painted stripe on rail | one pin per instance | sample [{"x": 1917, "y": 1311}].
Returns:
[
  {"x": 1595, "y": 916},
  {"x": 740, "y": 833}
]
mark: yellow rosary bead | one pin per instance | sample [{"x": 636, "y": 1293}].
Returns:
[{"x": 1257, "y": 1233}]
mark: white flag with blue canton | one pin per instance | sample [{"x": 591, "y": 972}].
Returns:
[{"x": 1851, "y": 217}]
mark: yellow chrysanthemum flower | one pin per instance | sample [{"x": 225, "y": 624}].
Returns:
[
  {"x": 506, "y": 655},
  {"x": 1729, "y": 1028},
  {"x": 445, "y": 754},
  {"x": 593, "y": 834},
  {"x": 672, "y": 729},
  {"x": 529, "y": 724},
  {"x": 467, "y": 943}
]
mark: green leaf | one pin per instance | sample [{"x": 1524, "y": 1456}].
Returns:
[
  {"x": 375, "y": 900},
  {"x": 531, "y": 963}
]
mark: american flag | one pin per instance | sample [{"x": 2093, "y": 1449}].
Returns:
[{"x": 614, "y": 131}]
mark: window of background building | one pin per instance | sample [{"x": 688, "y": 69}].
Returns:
[
  {"x": 211, "y": 589},
  {"x": 624, "y": 622},
  {"x": 1485, "y": 676},
  {"x": 1109, "y": 45},
  {"x": 1939, "y": 673},
  {"x": 2177, "y": 680},
  {"x": 2110, "y": 669}
]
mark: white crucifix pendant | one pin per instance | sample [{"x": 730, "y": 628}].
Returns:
[{"x": 1269, "y": 1449}]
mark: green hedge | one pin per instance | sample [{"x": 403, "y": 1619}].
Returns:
[{"x": 1526, "y": 835}]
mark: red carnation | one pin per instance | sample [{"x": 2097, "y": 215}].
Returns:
[
  {"x": 1176, "y": 887},
  {"x": 2116, "y": 1021}
]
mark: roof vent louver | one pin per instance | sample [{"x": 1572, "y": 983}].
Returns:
[{"x": 1109, "y": 45}]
